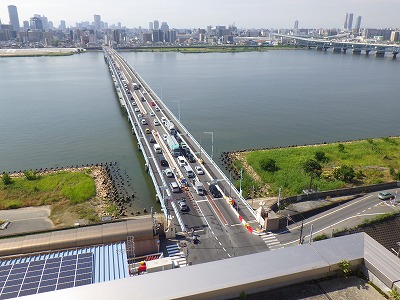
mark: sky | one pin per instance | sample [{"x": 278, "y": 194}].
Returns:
[{"x": 201, "y": 13}]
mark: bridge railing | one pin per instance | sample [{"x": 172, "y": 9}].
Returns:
[
  {"x": 140, "y": 138},
  {"x": 176, "y": 121}
]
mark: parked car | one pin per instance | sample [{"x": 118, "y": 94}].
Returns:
[{"x": 385, "y": 196}]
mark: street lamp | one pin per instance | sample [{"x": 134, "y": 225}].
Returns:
[
  {"x": 179, "y": 109},
  {"x": 212, "y": 141}
]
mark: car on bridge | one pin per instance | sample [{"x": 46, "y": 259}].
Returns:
[
  {"x": 385, "y": 196},
  {"x": 215, "y": 191},
  {"x": 143, "y": 121},
  {"x": 168, "y": 172},
  {"x": 182, "y": 204},
  {"x": 156, "y": 123},
  {"x": 199, "y": 170}
]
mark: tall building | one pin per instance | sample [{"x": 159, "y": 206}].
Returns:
[
  {"x": 172, "y": 36},
  {"x": 13, "y": 14},
  {"x": 97, "y": 22},
  {"x": 26, "y": 25},
  {"x": 62, "y": 25},
  {"x": 296, "y": 27},
  {"x": 395, "y": 36},
  {"x": 358, "y": 25},
  {"x": 350, "y": 22},
  {"x": 156, "y": 25},
  {"x": 345, "y": 20},
  {"x": 36, "y": 23},
  {"x": 164, "y": 26},
  {"x": 151, "y": 26}
]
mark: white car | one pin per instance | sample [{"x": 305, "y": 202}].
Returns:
[
  {"x": 199, "y": 170},
  {"x": 139, "y": 116},
  {"x": 168, "y": 172},
  {"x": 144, "y": 122},
  {"x": 157, "y": 108},
  {"x": 137, "y": 109},
  {"x": 152, "y": 114},
  {"x": 134, "y": 103},
  {"x": 156, "y": 123}
]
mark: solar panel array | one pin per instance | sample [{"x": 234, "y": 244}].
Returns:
[{"x": 45, "y": 275}]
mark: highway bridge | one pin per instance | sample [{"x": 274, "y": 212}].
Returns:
[
  {"x": 223, "y": 222},
  {"x": 339, "y": 45}
]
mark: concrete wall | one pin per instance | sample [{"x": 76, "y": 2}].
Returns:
[{"x": 141, "y": 229}]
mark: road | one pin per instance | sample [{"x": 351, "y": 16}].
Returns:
[
  {"x": 344, "y": 216},
  {"x": 213, "y": 220}
]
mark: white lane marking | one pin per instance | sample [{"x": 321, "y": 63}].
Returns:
[
  {"x": 330, "y": 226},
  {"x": 332, "y": 212}
]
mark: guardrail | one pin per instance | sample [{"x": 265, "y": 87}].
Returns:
[{"x": 139, "y": 138}]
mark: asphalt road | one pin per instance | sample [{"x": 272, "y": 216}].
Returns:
[{"x": 347, "y": 215}]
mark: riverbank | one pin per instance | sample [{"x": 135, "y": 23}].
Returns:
[
  {"x": 208, "y": 49},
  {"x": 40, "y": 52},
  {"x": 75, "y": 195},
  {"x": 336, "y": 165}
]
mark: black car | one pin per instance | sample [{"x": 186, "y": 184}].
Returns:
[
  {"x": 152, "y": 140},
  {"x": 191, "y": 157},
  {"x": 215, "y": 191},
  {"x": 163, "y": 162}
]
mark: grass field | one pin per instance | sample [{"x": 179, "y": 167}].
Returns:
[
  {"x": 68, "y": 193},
  {"x": 373, "y": 160}
]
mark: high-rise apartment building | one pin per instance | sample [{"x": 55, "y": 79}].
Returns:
[
  {"x": 36, "y": 23},
  {"x": 97, "y": 22},
  {"x": 358, "y": 25},
  {"x": 350, "y": 22},
  {"x": 164, "y": 26},
  {"x": 62, "y": 25},
  {"x": 156, "y": 25},
  {"x": 345, "y": 21},
  {"x": 26, "y": 25},
  {"x": 151, "y": 27},
  {"x": 13, "y": 14}
]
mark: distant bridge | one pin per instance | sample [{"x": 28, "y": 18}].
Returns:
[{"x": 343, "y": 46}]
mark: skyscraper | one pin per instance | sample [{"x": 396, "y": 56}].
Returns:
[
  {"x": 13, "y": 14},
  {"x": 346, "y": 17},
  {"x": 164, "y": 26},
  {"x": 97, "y": 22},
  {"x": 358, "y": 25},
  {"x": 350, "y": 22},
  {"x": 296, "y": 27},
  {"x": 62, "y": 25},
  {"x": 156, "y": 25},
  {"x": 151, "y": 26}
]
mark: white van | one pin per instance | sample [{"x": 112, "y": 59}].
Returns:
[
  {"x": 198, "y": 186},
  {"x": 174, "y": 187},
  {"x": 181, "y": 161},
  {"x": 189, "y": 171},
  {"x": 157, "y": 148}
]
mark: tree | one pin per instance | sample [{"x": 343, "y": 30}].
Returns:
[
  {"x": 344, "y": 173},
  {"x": 341, "y": 148},
  {"x": 320, "y": 156},
  {"x": 268, "y": 165},
  {"x": 312, "y": 168},
  {"x": 30, "y": 175},
  {"x": 6, "y": 179}
]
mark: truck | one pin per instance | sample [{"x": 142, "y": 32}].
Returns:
[
  {"x": 173, "y": 146},
  {"x": 171, "y": 128}
]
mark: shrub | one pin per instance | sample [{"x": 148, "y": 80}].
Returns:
[
  {"x": 394, "y": 294},
  {"x": 320, "y": 237},
  {"x": 268, "y": 165},
  {"x": 6, "y": 179},
  {"x": 341, "y": 148},
  {"x": 320, "y": 156},
  {"x": 344, "y": 173},
  {"x": 30, "y": 175},
  {"x": 345, "y": 267}
]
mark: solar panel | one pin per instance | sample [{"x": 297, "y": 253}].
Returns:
[
  {"x": 40, "y": 276},
  {"x": 27, "y": 292}
]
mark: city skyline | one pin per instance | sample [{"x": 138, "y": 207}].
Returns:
[{"x": 259, "y": 13}]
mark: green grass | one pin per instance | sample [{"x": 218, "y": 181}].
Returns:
[
  {"x": 75, "y": 187},
  {"x": 372, "y": 157}
]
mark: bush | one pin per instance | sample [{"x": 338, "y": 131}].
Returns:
[
  {"x": 341, "y": 148},
  {"x": 320, "y": 237},
  {"x": 312, "y": 168},
  {"x": 344, "y": 173},
  {"x": 320, "y": 156},
  {"x": 6, "y": 179},
  {"x": 30, "y": 175},
  {"x": 345, "y": 268},
  {"x": 268, "y": 165}
]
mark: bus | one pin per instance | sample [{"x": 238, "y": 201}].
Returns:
[{"x": 173, "y": 146}]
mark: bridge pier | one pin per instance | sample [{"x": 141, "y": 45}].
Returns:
[
  {"x": 367, "y": 51},
  {"x": 344, "y": 50},
  {"x": 356, "y": 51},
  {"x": 326, "y": 48},
  {"x": 380, "y": 53},
  {"x": 395, "y": 54},
  {"x": 319, "y": 48},
  {"x": 337, "y": 49}
]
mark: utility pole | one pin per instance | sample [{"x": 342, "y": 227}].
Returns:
[
  {"x": 279, "y": 197},
  {"x": 311, "y": 230},
  {"x": 301, "y": 234},
  {"x": 240, "y": 183}
]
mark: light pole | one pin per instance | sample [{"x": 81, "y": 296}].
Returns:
[
  {"x": 179, "y": 109},
  {"x": 212, "y": 142}
]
